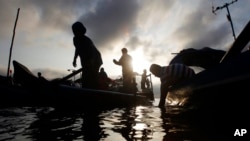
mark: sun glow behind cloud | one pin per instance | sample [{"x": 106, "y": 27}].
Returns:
[{"x": 140, "y": 62}]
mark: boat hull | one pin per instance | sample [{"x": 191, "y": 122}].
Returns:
[
  {"x": 30, "y": 91},
  {"x": 224, "y": 81},
  {"x": 67, "y": 96}
]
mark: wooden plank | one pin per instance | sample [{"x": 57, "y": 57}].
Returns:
[{"x": 240, "y": 43}]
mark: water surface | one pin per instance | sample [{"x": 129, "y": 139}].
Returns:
[{"x": 141, "y": 123}]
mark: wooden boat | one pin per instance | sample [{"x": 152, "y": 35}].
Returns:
[
  {"x": 33, "y": 92},
  {"x": 218, "y": 83},
  {"x": 224, "y": 84},
  {"x": 219, "y": 96}
]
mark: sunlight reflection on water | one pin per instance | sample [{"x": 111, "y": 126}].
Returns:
[{"x": 134, "y": 123}]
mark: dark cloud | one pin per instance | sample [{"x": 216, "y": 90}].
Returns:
[
  {"x": 136, "y": 23},
  {"x": 50, "y": 15},
  {"x": 200, "y": 30},
  {"x": 135, "y": 42},
  {"x": 215, "y": 38},
  {"x": 110, "y": 20},
  {"x": 6, "y": 13},
  {"x": 57, "y": 14}
]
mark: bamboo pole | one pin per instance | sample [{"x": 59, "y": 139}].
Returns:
[{"x": 11, "y": 46}]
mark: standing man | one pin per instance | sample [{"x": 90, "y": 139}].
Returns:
[
  {"x": 170, "y": 75},
  {"x": 127, "y": 69},
  {"x": 144, "y": 80},
  {"x": 91, "y": 59}
]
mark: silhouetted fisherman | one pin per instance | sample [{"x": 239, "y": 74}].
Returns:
[
  {"x": 41, "y": 78},
  {"x": 91, "y": 59},
  {"x": 127, "y": 69},
  {"x": 144, "y": 80},
  {"x": 170, "y": 75},
  {"x": 103, "y": 80}
]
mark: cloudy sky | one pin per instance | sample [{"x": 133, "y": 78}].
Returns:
[{"x": 151, "y": 30}]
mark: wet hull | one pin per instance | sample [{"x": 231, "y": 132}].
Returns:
[
  {"x": 67, "y": 96},
  {"x": 228, "y": 80},
  {"x": 218, "y": 96},
  {"x": 30, "y": 91}
]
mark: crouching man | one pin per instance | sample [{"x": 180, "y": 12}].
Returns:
[{"x": 170, "y": 75}]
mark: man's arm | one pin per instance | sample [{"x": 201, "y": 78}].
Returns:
[
  {"x": 118, "y": 62},
  {"x": 75, "y": 57},
  {"x": 164, "y": 91}
]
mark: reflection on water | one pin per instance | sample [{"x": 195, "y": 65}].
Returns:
[{"x": 119, "y": 124}]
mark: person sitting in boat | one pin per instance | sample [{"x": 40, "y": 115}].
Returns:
[
  {"x": 170, "y": 75},
  {"x": 127, "y": 69},
  {"x": 103, "y": 80},
  {"x": 134, "y": 85},
  {"x": 41, "y": 78},
  {"x": 91, "y": 59},
  {"x": 144, "y": 80}
]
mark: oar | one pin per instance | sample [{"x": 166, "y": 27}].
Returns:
[{"x": 70, "y": 75}]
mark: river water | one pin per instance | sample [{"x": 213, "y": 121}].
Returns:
[{"x": 142, "y": 123}]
